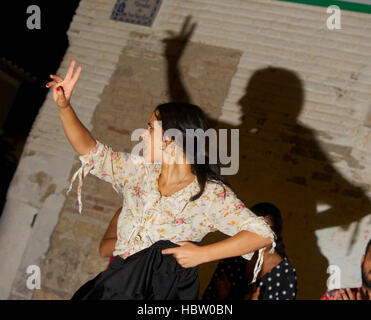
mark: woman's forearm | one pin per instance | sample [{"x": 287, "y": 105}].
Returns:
[
  {"x": 107, "y": 246},
  {"x": 242, "y": 243},
  {"x": 79, "y": 137}
]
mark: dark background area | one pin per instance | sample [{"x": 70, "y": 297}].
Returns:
[{"x": 27, "y": 58}]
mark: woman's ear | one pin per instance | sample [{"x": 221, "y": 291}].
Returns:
[
  {"x": 168, "y": 140},
  {"x": 268, "y": 221},
  {"x": 165, "y": 142}
]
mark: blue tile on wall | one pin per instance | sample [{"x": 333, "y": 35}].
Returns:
[{"x": 141, "y": 12}]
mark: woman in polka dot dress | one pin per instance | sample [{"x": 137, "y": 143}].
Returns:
[
  {"x": 276, "y": 281},
  {"x": 278, "y": 284}
]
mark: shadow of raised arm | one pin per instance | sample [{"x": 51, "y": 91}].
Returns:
[{"x": 175, "y": 45}]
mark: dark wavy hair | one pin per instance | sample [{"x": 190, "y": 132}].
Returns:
[
  {"x": 183, "y": 116},
  {"x": 269, "y": 210}
]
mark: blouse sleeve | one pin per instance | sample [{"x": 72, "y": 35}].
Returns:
[
  {"x": 229, "y": 215},
  {"x": 113, "y": 167}
]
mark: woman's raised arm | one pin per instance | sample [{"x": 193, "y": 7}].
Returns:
[{"x": 79, "y": 137}]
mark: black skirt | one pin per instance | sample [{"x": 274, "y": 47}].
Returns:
[{"x": 146, "y": 275}]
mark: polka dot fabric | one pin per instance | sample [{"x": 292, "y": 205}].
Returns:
[{"x": 280, "y": 283}]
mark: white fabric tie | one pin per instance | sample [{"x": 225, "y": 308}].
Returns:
[
  {"x": 259, "y": 262},
  {"x": 82, "y": 172}
]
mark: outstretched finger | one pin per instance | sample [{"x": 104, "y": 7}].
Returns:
[
  {"x": 344, "y": 295},
  {"x": 191, "y": 31},
  {"x": 350, "y": 293},
  {"x": 56, "y": 78},
  {"x": 185, "y": 26},
  {"x": 358, "y": 296},
  {"x": 70, "y": 69},
  {"x": 335, "y": 296},
  {"x": 76, "y": 75},
  {"x": 51, "y": 83}
]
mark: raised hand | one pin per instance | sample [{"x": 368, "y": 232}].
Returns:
[
  {"x": 62, "y": 88},
  {"x": 176, "y": 43}
]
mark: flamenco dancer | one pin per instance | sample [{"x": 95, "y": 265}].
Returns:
[{"x": 169, "y": 204}]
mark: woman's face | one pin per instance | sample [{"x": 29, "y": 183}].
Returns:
[
  {"x": 158, "y": 150},
  {"x": 152, "y": 139}
]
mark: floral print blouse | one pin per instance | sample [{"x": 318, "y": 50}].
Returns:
[{"x": 147, "y": 216}]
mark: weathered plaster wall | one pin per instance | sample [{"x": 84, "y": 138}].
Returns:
[{"x": 298, "y": 92}]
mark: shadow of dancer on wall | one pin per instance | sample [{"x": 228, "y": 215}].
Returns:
[{"x": 281, "y": 161}]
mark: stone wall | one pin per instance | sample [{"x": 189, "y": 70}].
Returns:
[{"x": 298, "y": 92}]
